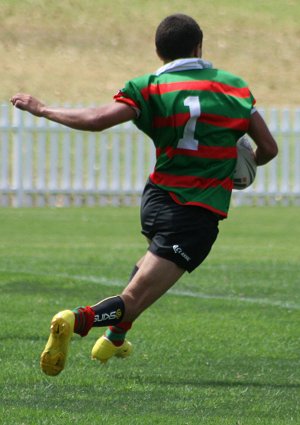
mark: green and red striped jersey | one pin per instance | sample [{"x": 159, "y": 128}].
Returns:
[{"x": 194, "y": 114}]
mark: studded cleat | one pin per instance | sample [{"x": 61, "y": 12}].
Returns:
[{"x": 54, "y": 356}]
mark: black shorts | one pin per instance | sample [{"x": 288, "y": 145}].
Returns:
[{"x": 179, "y": 233}]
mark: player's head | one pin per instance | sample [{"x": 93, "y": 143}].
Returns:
[{"x": 178, "y": 36}]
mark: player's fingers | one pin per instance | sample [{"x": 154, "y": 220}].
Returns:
[
  {"x": 22, "y": 97},
  {"x": 13, "y": 99},
  {"x": 18, "y": 103},
  {"x": 16, "y": 99}
]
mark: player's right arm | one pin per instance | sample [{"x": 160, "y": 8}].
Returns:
[
  {"x": 90, "y": 119},
  {"x": 266, "y": 145}
]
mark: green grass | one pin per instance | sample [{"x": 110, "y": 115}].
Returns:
[{"x": 221, "y": 348}]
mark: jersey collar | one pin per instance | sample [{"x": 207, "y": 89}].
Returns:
[{"x": 184, "y": 65}]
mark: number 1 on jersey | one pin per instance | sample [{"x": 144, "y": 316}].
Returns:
[{"x": 188, "y": 140}]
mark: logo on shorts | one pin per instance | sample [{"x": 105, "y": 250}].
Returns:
[{"x": 178, "y": 250}]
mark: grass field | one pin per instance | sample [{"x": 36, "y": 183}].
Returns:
[
  {"x": 74, "y": 51},
  {"x": 221, "y": 348}
]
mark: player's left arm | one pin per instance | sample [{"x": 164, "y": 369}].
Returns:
[{"x": 90, "y": 119}]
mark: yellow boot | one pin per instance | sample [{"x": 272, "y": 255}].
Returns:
[
  {"x": 104, "y": 349},
  {"x": 54, "y": 356}
]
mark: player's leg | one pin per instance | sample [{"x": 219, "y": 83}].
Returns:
[
  {"x": 113, "y": 342},
  {"x": 136, "y": 268},
  {"x": 154, "y": 277},
  {"x": 80, "y": 321},
  {"x": 116, "y": 333}
]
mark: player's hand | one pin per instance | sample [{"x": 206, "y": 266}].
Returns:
[{"x": 28, "y": 103}]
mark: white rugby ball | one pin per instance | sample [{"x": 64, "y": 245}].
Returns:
[{"x": 245, "y": 169}]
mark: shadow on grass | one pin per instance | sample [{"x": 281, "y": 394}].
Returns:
[{"x": 228, "y": 384}]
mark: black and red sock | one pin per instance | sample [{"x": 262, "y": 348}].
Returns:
[
  {"x": 117, "y": 333},
  {"x": 108, "y": 312}
]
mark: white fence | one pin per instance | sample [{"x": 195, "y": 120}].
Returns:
[{"x": 42, "y": 163}]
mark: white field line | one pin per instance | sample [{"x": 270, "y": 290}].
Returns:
[{"x": 176, "y": 292}]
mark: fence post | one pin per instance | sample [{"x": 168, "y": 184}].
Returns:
[
  {"x": 285, "y": 129},
  {"x": 127, "y": 179},
  {"x": 103, "y": 179},
  {"x": 273, "y": 166},
  {"x": 17, "y": 166},
  {"x": 92, "y": 166},
  {"x": 296, "y": 188},
  {"x": 4, "y": 159}
]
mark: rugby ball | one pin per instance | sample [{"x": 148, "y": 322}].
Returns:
[{"x": 245, "y": 169}]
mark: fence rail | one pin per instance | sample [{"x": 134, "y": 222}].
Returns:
[{"x": 42, "y": 163}]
